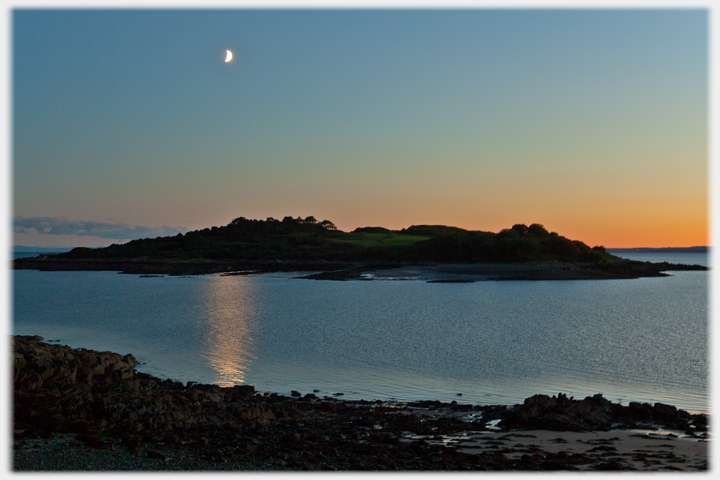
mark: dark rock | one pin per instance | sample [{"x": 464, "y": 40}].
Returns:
[
  {"x": 154, "y": 454},
  {"x": 662, "y": 411},
  {"x": 91, "y": 440}
]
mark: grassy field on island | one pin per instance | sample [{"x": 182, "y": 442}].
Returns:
[{"x": 378, "y": 239}]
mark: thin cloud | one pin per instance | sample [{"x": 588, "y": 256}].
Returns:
[{"x": 61, "y": 226}]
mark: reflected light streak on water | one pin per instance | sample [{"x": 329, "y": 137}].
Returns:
[{"x": 228, "y": 329}]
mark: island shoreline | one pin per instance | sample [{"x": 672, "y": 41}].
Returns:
[{"x": 627, "y": 269}]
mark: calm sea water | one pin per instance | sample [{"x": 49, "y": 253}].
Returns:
[{"x": 493, "y": 342}]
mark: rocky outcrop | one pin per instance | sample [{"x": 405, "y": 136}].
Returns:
[
  {"x": 55, "y": 368},
  {"x": 597, "y": 413},
  {"x": 59, "y": 389}
]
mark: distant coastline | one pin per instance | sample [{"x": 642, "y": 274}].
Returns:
[
  {"x": 662, "y": 250},
  {"x": 23, "y": 249}
]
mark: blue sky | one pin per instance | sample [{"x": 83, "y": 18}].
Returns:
[{"x": 591, "y": 122}]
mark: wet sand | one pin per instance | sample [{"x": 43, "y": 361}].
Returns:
[{"x": 639, "y": 450}]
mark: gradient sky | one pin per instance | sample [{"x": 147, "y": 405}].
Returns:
[{"x": 593, "y": 123}]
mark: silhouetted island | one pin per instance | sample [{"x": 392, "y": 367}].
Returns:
[{"x": 305, "y": 244}]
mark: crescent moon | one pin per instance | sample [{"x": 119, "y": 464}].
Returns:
[{"x": 229, "y": 56}]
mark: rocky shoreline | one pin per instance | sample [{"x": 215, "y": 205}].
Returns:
[{"x": 78, "y": 409}]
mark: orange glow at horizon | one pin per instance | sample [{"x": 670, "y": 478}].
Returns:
[
  {"x": 611, "y": 228},
  {"x": 598, "y": 207}
]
